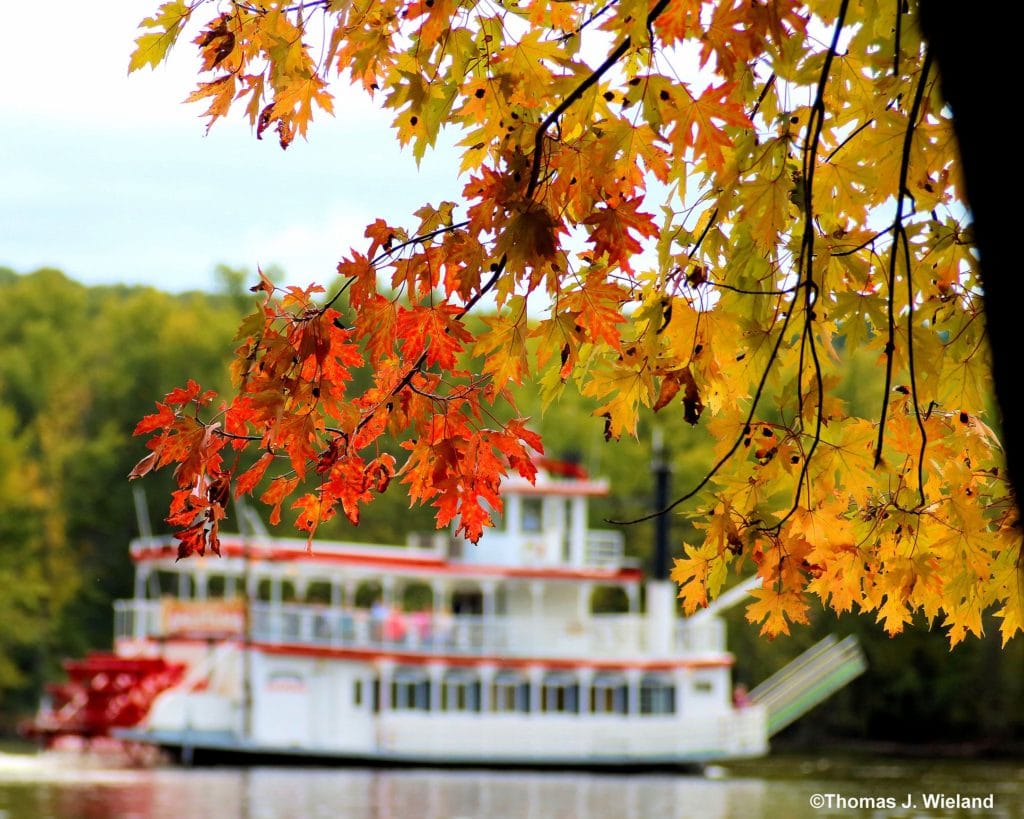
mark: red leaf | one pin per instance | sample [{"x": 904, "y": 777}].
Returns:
[
  {"x": 279, "y": 489},
  {"x": 253, "y": 475},
  {"x": 434, "y": 329},
  {"x": 611, "y": 231},
  {"x": 161, "y": 419},
  {"x": 143, "y": 466}
]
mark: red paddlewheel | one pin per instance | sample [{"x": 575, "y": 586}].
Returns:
[{"x": 104, "y": 691}]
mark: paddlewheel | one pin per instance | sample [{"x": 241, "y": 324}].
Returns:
[{"x": 103, "y": 691}]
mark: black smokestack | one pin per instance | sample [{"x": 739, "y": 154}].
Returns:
[{"x": 662, "y": 478}]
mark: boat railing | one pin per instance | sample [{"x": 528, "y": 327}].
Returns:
[
  {"x": 137, "y": 619},
  {"x": 363, "y": 628},
  {"x": 608, "y": 633},
  {"x": 699, "y": 635},
  {"x": 604, "y": 549},
  {"x": 311, "y": 624}
]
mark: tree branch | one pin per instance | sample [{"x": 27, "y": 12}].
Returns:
[
  {"x": 577, "y": 93},
  {"x": 810, "y": 158},
  {"x": 897, "y": 224}
]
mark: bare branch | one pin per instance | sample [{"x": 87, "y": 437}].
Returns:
[{"x": 897, "y": 224}]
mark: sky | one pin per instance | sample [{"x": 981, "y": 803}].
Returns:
[{"x": 112, "y": 178}]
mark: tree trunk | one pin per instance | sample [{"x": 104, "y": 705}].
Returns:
[{"x": 971, "y": 48}]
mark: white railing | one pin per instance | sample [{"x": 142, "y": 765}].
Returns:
[
  {"x": 610, "y": 634},
  {"x": 343, "y": 627},
  {"x": 137, "y": 619},
  {"x": 600, "y": 635},
  {"x": 699, "y": 635},
  {"x": 604, "y": 549}
]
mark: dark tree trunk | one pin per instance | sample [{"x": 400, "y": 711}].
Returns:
[{"x": 971, "y": 44}]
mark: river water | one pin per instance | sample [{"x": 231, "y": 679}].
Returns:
[{"x": 776, "y": 788}]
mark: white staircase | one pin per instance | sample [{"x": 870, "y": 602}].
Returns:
[{"x": 810, "y": 679}]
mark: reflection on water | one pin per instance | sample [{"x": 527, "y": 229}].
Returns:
[
  {"x": 281, "y": 793},
  {"x": 43, "y": 790}
]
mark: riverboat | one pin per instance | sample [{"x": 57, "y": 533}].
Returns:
[{"x": 436, "y": 652}]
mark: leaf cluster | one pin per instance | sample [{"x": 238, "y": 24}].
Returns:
[{"x": 808, "y": 204}]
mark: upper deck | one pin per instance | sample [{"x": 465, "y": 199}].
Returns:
[
  {"x": 536, "y": 585},
  {"x": 543, "y": 526}
]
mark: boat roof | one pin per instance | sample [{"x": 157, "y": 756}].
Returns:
[{"x": 363, "y": 559}]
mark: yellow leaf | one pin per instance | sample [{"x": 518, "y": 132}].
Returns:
[
  {"x": 776, "y": 610},
  {"x": 152, "y": 47}
]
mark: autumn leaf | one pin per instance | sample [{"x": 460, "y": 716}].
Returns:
[
  {"x": 435, "y": 331},
  {"x": 696, "y": 123},
  {"x": 775, "y": 611},
  {"x": 248, "y": 480},
  {"x": 699, "y": 574},
  {"x": 611, "y": 234},
  {"x": 504, "y": 345},
  {"x": 151, "y": 48}
]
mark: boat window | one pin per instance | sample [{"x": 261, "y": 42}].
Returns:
[
  {"x": 410, "y": 690},
  {"x": 532, "y": 515},
  {"x": 367, "y": 593},
  {"x": 319, "y": 591},
  {"x": 609, "y": 600},
  {"x": 608, "y": 694},
  {"x": 265, "y": 590},
  {"x": 657, "y": 695},
  {"x": 703, "y": 683},
  {"x": 166, "y": 582},
  {"x": 417, "y": 597},
  {"x": 510, "y": 692},
  {"x": 467, "y": 602},
  {"x": 560, "y": 693},
  {"x": 357, "y": 693},
  {"x": 216, "y": 586},
  {"x": 460, "y": 691}
]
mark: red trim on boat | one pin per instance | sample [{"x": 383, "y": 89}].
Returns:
[
  {"x": 424, "y": 658},
  {"x": 416, "y": 563}
]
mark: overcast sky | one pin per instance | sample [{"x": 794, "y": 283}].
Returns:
[{"x": 111, "y": 178}]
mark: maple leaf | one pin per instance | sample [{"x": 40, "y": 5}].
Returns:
[
  {"x": 775, "y": 610},
  {"x": 597, "y": 306},
  {"x": 504, "y": 345},
  {"x": 694, "y": 122},
  {"x": 699, "y": 574},
  {"x": 248, "y": 480},
  {"x": 220, "y": 93},
  {"x": 377, "y": 322},
  {"x": 435, "y": 331},
  {"x": 679, "y": 20},
  {"x": 151, "y": 48},
  {"x": 279, "y": 489},
  {"x": 611, "y": 231},
  {"x": 362, "y": 274},
  {"x": 297, "y": 99},
  {"x": 672, "y": 382}
]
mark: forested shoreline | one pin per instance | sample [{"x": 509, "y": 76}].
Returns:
[{"x": 80, "y": 365}]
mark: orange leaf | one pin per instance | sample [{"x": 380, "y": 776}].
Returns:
[
  {"x": 772, "y": 608},
  {"x": 611, "y": 234},
  {"x": 253, "y": 475}
]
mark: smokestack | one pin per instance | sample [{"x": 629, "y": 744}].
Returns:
[
  {"x": 661, "y": 610},
  {"x": 662, "y": 478}
]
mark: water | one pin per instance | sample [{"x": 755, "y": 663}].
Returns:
[{"x": 777, "y": 788}]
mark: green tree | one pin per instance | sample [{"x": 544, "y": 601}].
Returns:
[{"x": 79, "y": 365}]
